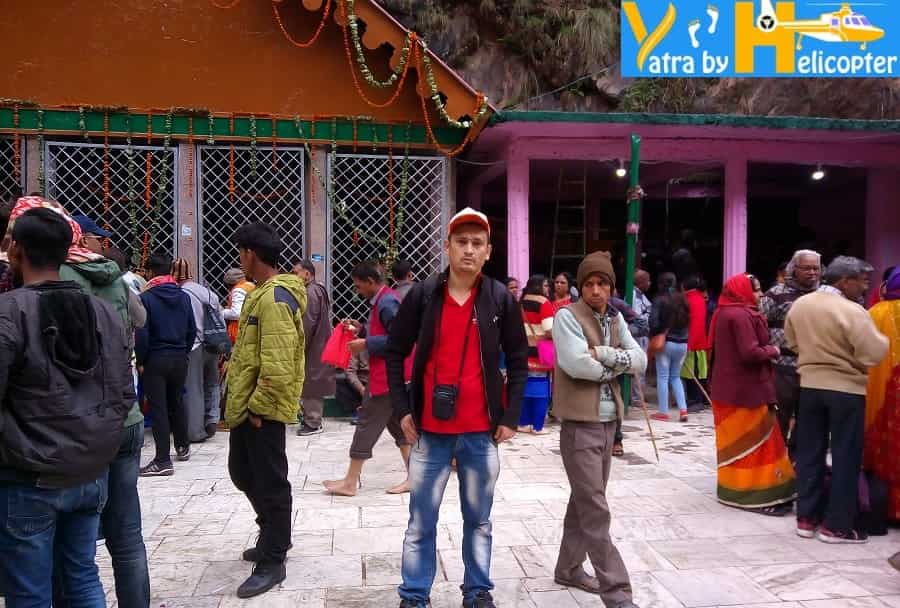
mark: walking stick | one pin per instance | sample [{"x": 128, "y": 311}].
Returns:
[
  {"x": 640, "y": 390},
  {"x": 700, "y": 386}
]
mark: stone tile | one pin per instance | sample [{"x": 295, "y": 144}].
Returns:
[
  {"x": 649, "y": 528},
  {"x": 724, "y": 525},
  {"x": 713, "y": 587},
  {"x": 505, "y": 533},
  {"x": 323, "y": 571},
  {"x": 192, "y": 524},
  {"x": 639, "y": 556},
  {"x": 370, "y": 540},
  {"x": 823, "y": 552},
  {"x": 384, "y": 516},
  {"x": 518, "y": 511},
  {"x": 362, "y": 598},
  {"x": 860, "y": 602},
  {"x": 504, "y": 564},
  {"x": 185, "y": 602},
  {"x": 554, "y": 599},
  {"x": 534, "y": 491},
  {"x": 535, "y": 562},
  {"x": 314, "y": 542},
  {"x": 219, "y": 548},
  {"x": 876, "y": 576},
  {"x": 217, "y": 503},
  {"x": 174, "y": 579},
  {"x": 278, "y": 599},
  {"x": 657, "y": 487},
  {"x": 223, "y": 578},
  {"x": 893, "y": 601},
  {"x": 774, "y": 549},
  {"x": 545, "y": 531},
  {"x": 648, "y": 592},
  {"x": 792, "y": 582},
  {"x": 778, "y": 605},
  {"x": 327, "y": 519},
  {"x": 382, "y": 569}
]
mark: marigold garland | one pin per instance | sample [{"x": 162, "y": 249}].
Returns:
[
  {"x": 253, "y": 147},
  {"x": 40, "y": 130},
  {"x": 274, "y": 144},
  {"x": 132, "y": 195},
  {"x": 17, "y": 147},
  {"x": 231, "y": 185},
  {"x": 189, "y": 170},
  {"x": 148, "y": 177},
  {"x": 82, "y": 123},
  {"x": 315, "y": 36},
  {"x": 106, "y": 194}
]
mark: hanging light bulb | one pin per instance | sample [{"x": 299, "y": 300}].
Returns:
[
  {"x": 621, "y": 171},
  {"x": 819, "y": 173}
]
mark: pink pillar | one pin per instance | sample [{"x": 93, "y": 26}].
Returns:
[
  {"x": 517, "y": 183},
  {"x": 734, "y": 242},
  {"x": 882, "y": 220}
]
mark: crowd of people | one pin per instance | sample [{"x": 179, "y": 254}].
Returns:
[{"x": 452, "y": 366}]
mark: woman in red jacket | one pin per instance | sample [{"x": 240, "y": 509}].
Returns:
[
  {"x": 754, "y": 471},
  {"x": 695, "y": 369}
]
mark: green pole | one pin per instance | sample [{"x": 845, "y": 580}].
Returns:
[{"x": 632, "y": 229}]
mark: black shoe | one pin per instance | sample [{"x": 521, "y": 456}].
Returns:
[
  {"x": 211, "y": 429},
  {"x": 156, "y": 469},
  {"x": 183, "y": 454},
  {"x": 264, "y": 578},
  {"x": 483, "y": 599},
  {"x": 412, "y": 604},
  {"x": 306, "y": 430}
]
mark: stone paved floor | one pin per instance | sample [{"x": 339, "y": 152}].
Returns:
[{"x": 682, "y": 548}]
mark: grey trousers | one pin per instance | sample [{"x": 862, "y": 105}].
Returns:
[
  {"x": 202, "y": 395},
  {"x": 587, "y": 457},
  {"x": 313, "y": 408}
]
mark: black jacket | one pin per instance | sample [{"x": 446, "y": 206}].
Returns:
[
  {"x": 65, "y": 385},
  {"x": 500, "y": 329},
  {"x": 170, "y": 326}
]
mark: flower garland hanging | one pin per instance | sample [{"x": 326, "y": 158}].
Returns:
[
  {"x": 148, "y": 175},
  {"x": 131, "y": 195},
  {"x": 315, "y": 36},
  {"x": 274, "y": 144},
  {"x": 106, "y": 152},
  {"x": 40, "y": 130},
  {"x": 189, "y": 165},
  {"x": 162, "y": 187},
  {"x": 82, "y": 124},
  {"x": 407, "y": 59},
  {"x": 231, "y": 185},
  {"x": 253, "y": 147},
  {"x": 17, "y": 147},
  {"x": 211, "y": 126},
  {"x": 406, "y": 51}
]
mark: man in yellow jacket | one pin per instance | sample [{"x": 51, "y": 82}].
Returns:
[{"x": 265, "y": 378}]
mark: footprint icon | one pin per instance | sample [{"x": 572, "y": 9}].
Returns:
[
  {"x": 713, "y": 13},
  {"x": 693, "y": 28}
]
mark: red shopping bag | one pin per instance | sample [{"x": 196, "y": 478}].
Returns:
[{"x": 336, "y": 352}]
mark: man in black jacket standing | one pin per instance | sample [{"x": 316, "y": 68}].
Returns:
[
  {"x": 459, "y": 321},
  {"x": 66, "y": 387}
]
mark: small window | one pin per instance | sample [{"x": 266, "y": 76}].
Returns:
[
  {"x": 865, "y": 21},
  {"x": 835, "y": 22},
  {"x": 848, "y": 21}
]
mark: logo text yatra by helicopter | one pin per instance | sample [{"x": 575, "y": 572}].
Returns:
[{"x": 759, "y": 38}]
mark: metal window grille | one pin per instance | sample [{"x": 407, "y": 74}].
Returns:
[
  {"x": 360, "y": 181},
  {"x": 74, "y": 174},
  {"x": 10, "y": 187},
  {"x": 273, "y": 193}
]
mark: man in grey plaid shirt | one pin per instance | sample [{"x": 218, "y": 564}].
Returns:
[{"x": 802, "y": 277}]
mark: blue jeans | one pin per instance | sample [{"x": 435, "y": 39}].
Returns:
[
  {"x": 478, "y": 466},
  {"x": 668, "y": 371},
  {"x": 121, "y": 523},
  {"x": 40, "y": 526}
]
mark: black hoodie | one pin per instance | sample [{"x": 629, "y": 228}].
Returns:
[{"x": 170, "y": 327}]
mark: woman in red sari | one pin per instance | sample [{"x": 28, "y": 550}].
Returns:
[
  {"x": 882, "y": 442},
  {"x": 754, "y": 471}
]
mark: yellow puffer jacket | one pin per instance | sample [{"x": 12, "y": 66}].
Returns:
[{"x": 265, "y": 373}]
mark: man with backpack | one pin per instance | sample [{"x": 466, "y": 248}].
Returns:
[
  {"x": 457, "y": 405},
  {"x": 201, "y": 400},
  {"x": 62, "y": 352}
]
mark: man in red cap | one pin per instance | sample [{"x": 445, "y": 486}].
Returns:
[{"x": 459, "y": 322}]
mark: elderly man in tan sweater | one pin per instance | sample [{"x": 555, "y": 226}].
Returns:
[
  {"x": 593, "y": 348},
  {"x": 837, "y": 342}
]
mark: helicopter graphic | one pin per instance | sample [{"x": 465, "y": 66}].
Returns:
[{"x": 842, "y": 25}]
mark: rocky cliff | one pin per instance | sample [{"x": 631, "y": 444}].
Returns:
[{"x": 564, "y": 55}]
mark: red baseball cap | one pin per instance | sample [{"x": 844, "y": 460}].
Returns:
[{"x": 469, "y": 216}]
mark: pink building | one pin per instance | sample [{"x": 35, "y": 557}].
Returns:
[{"x": 743, "y": 186}]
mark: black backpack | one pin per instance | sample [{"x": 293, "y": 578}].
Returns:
[{"x": 215, "y": 333}]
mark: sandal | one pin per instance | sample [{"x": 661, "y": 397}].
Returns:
[
  {"x": 618, "y": 450},
  {"x": 660, "y": 416},
  {"x": 683, "y": 417}
]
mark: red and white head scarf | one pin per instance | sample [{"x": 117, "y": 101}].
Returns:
[{"x": 77, "y": 254}]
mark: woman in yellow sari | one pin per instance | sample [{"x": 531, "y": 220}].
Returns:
[{"x": 882, "y": 443}]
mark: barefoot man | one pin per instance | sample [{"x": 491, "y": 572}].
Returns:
[{"x": 376, "y": 412}]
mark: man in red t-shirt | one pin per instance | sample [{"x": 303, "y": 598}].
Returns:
[{"x": 459, "y": 322}]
